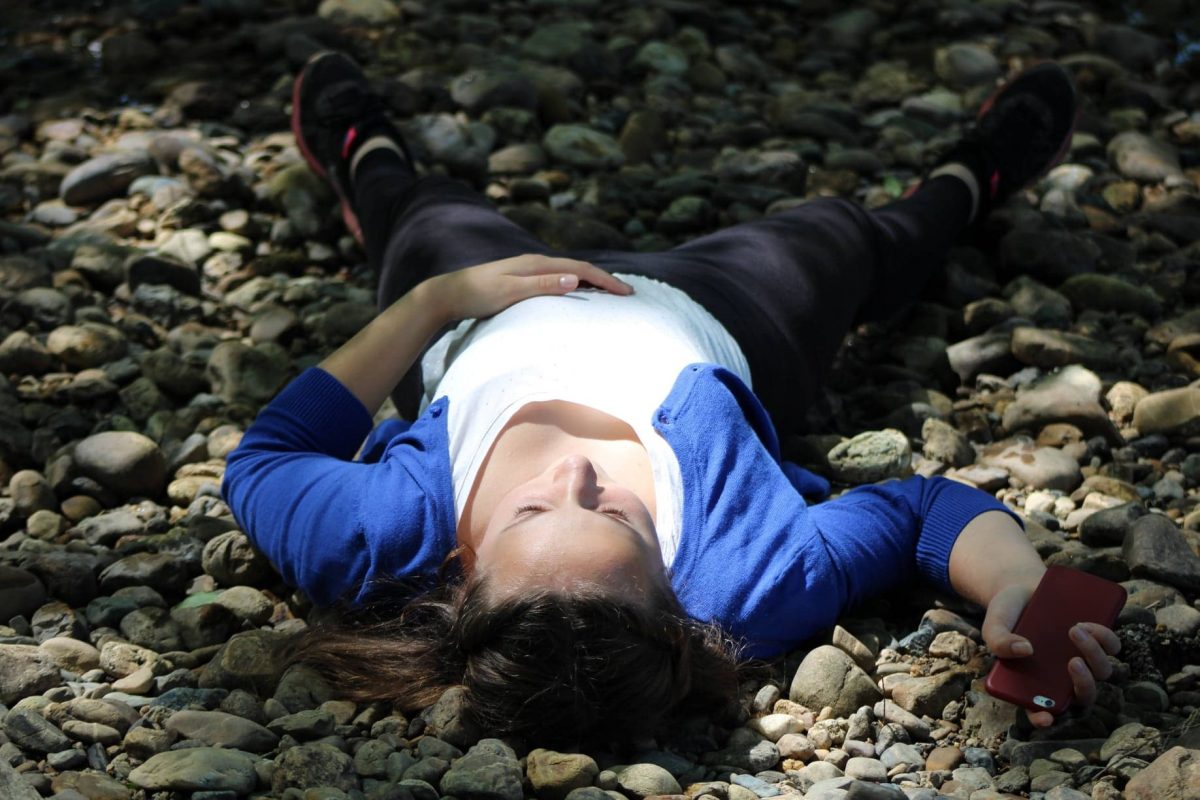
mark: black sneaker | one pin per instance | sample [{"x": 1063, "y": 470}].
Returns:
[
  {"x": 1021, "y": 132},
  {"x": 333, "y": 112}
]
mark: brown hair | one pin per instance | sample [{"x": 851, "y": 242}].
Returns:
[{"x": 550, "y": 666}]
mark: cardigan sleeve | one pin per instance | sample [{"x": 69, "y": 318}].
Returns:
[
  {"x": 880, "y": 534},
  {"x": 328, "y": 524}
]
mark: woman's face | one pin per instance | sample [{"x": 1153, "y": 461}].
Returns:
[{"x": 570, "y": 527}]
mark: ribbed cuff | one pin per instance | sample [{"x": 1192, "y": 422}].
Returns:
[
  {"x": 950, "y": 510},
  {"x": 333, "y": 416}
]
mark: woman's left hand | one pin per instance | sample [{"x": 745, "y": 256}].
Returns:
[
  {"x": 487, "y": 289},
  {"x": 1094, "y": 642}
]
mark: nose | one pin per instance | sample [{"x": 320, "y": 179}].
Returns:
[{"x": 579, "y": 480}]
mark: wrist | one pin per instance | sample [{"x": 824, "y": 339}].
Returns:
[
  {"x": 991, "y": 554},
  {"x": 1025, "y": 579},
  {"x": 431, "y": 297}
]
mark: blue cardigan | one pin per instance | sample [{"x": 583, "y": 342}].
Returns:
[{"x": 753, "y": 556}]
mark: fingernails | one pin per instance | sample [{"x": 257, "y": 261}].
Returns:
[
  {"x": 1022, "y": 648},
  {"x": 566, "y": 281},
  {"x": 1078, "y": 666},
  {"x": 1079, "y": 633}
]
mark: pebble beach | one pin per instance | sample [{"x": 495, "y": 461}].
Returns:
[{"x": 168, "y": 263}]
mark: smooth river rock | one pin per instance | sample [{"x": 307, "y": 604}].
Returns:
[{"x": 197, "y": 769}]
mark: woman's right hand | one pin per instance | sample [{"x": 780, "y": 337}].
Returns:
[{"x": 488, "y": 289}]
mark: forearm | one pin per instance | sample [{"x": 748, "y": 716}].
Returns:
[
  {"x": 377, "y": 357},
  {"x": 991, "y": 553}
]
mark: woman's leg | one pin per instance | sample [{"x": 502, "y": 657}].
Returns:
[
  {"x": 790, "y": 286},
  {"x": 787, "y": 287}
]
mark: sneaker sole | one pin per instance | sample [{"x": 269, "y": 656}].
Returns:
[{"x": 348, "y": 215}]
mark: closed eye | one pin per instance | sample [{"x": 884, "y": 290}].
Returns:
[{"x": 527, "y": 509}]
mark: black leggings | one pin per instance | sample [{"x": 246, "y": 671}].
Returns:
[{"x": 787, "y": 287}]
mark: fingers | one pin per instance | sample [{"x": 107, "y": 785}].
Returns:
[
  {"x": 604, "y": 280},
  {"x": 582, "y": 270},
  {"x": 1095, "y": 659},
  {"x": 1105, "y": 636},
  {"x": 1040, "y": 719},
  {"x": 1009, "y": 645},
  {"x": 554, "y": 284},
  {"x": 1083, "y": 681}
]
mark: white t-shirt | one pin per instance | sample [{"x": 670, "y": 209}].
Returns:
[{"x": 617, "y": 354}]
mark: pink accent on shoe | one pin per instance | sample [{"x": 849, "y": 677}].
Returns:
[
  {"x": 348, "y": 142},
  {"x": 297, "y": 133},
  {"x": 994, "y": 184}
]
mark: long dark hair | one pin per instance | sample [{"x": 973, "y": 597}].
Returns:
[{"x": 557, "y": 668}]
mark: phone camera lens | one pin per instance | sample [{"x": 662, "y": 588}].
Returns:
[{"x": 1043, "y": 701}]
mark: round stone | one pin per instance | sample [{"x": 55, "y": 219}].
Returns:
[
  {"x": 72, "y": 654},
  {"x": 829, "y": 677},
  {"x": 125, "y": 462},
  {"x": 644, "y": 780},
  {"x": 89, "y": 344},
  {"x": 25, "y": 670},
  {"x": 20, "y": 592}
]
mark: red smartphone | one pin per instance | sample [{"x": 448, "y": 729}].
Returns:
[{"x": 1064, "y": 597}]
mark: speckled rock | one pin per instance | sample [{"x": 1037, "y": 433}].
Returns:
[
  {"x": 25, "y": 670},
  {"x": 553, "y": 775},
  {"x": 871, "y": 456}
]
